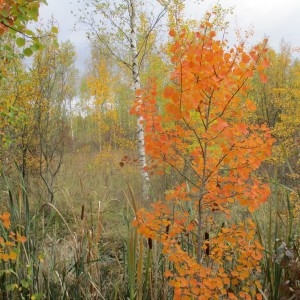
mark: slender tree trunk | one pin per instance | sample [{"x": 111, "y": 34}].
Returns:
[{"x": 137, "y": 86}]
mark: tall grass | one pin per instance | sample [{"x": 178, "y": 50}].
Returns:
[
  {"x": 278, "y": 231},
  {"x": 82, "y": 246}
]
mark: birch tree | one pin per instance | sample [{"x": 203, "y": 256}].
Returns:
[{"x": 115, "y": 27}]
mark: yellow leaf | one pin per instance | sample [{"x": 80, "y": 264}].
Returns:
[
  {"x": 5, "y": 257},
  {"x": 13, "y": 255}
]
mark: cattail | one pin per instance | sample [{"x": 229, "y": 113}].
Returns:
[
  {"x": 206, "y": 236},
  {"x": 167, "y": 229},
  {"x": 82, "y": 212},
  {"x": 150, "y": 243},
  {"x": 215, "y": 207}
]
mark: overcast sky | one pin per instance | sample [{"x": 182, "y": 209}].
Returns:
[{"x": 277, "y": 19}]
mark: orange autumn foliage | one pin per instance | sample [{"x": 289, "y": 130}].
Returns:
[
  {"x": 201, "y": 133},
  {"x": 15, "y": 14},
  {"x": 232, "y": 263},
  {"x": 8, "y": 20},
  {"x": 8, "y": 239}
]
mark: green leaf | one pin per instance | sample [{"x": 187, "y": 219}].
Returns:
[
  {"x": 7, "y": 48},
  {"x": 5, "y": 22},
  {"x": 11, "y": 287},
  {"x": 33, "y": 14},
  {"x": 54, "y": 29},
  {"x": 21, "y": 9},
  {"x": 29, "y": 32},
  {"x": 27, "y": 52},
  {"x": 37, "y": 296},
  {"x": 35, "y": 47},
  {"x": 20, "y": 42},
  {"x": 25, "y": 283},
  {"x": 4, "y": 13},
  {"x": 21, "y": 19}
]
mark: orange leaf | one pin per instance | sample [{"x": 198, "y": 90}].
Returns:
[
  {"x": 259, "y": 296},
  {"x": 245, "y": 58},
  {"x": 263, "y": 78},
  {"x": 265, "y": 63},
  {"x": 231, "y": 296},
  {"x": 222, "y": 125},
  {"x": 168, "y": 273},
  {"x": 172, "y": 33},
  {"x": 243, "y": 128},
  {"x": 21, "y": 239},
  {"x": 5, "y": 257},
  {"x": 138, "y": 92}
]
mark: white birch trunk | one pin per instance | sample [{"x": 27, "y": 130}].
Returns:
[{"x": 137, "y": 86}]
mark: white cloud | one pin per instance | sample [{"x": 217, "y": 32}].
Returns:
[
  {"x": 61, "y": 10},
  {"x": 278, "y": 19}
]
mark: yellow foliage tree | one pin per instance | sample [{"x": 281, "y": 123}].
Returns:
[
  {"x": 278, "y": 103},
  {"x": 103, "y": 108}
]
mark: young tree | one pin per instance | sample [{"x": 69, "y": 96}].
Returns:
[
  {"x": 14, "y": 17},
  {"x": 52, "y": 75},
  {"x": 279, "y": 106},
  {"x": 16, "y": 93},
  {"x": 14, "y": 34},
  {"x": 201, "y": 132},
  {"x": 117, "y": 32}
]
